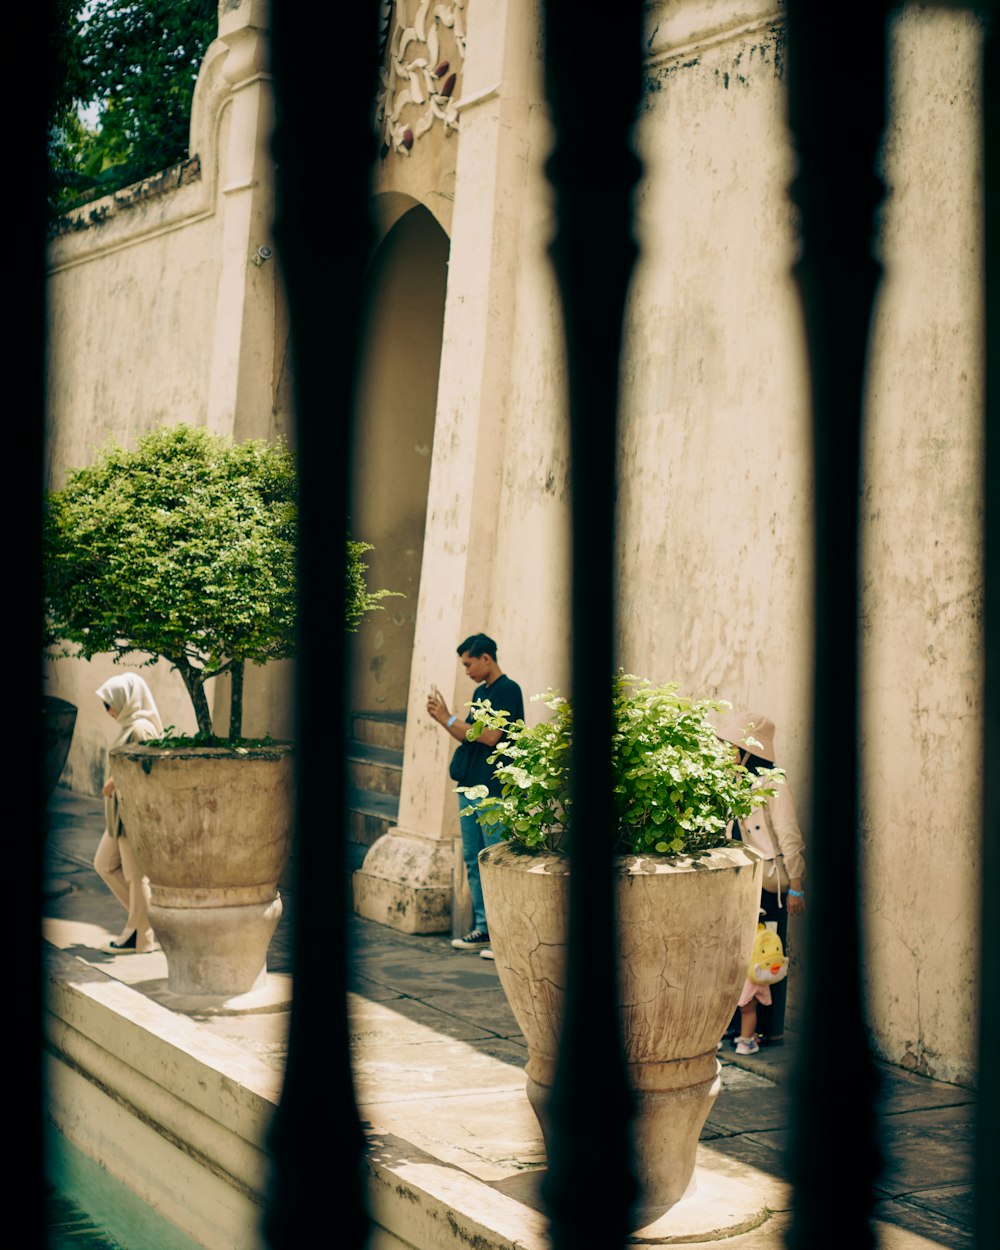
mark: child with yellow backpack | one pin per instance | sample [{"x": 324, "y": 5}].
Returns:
[{"x": 768, "y": 966}]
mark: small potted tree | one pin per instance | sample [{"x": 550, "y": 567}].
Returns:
[
  {"x": 184, "y": 549},
  {"x": 686, "y": 902}
]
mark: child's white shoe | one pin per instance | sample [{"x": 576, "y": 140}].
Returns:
[{"x": 747, "y": 1046}]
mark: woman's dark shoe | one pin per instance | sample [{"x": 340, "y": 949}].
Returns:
[
  {"x": 122, "y": 948},
  {"x": 771, "y": 1041}
]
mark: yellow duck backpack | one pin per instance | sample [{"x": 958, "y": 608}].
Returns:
[{"x": 768, "y": 962}]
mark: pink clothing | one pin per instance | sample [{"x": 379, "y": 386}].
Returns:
[{"x": 752, "y": 990}]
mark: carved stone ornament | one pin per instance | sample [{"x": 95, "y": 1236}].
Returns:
[{"x": 419, "y": 77}]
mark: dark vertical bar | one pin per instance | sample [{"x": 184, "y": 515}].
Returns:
[
  {"x": 33, "y": 27},
  {"x": 323, "y": 242},
  {"x": 836, "y": 100},
  {"x": 987, "y": 1160},
  {"x": 593, "y": 171}
]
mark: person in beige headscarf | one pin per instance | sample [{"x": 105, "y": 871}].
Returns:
[
  {"x": 129, "y": 702},
  {"x": 773, "y": 831}
]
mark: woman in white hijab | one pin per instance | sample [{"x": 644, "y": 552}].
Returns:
[{"x": 129, "y": 701}]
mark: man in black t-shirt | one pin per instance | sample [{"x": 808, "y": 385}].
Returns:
[{"x": 479, "y": 658}]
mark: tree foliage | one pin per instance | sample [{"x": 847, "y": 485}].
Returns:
[
  {"x": 183, "y": 549},
  {"x": 136, "y": 61}
]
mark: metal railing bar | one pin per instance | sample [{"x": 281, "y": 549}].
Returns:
[
  {"x": 593, "y": 171},
  {"x": 322, "y": 259},
  {"x": 838, "y": 193}
]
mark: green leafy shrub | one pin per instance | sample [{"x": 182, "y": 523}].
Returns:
[
  {"x": 183, "y": 549},
  {"x": 676, "y": 783}
]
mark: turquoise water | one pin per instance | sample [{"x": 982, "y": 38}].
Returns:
[
  {"x": 69, "y": 1227},
  {"x": 90, "y": 1210}
]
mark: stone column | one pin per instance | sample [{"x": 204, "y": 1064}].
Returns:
[
  {"x": 241, "y": 381},
  {"x": 407, "y": 878},
  {"x": 240, "y": 393}
]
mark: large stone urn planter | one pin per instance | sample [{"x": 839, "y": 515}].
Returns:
[
  {"x": 59, "y": 719},
  {"x": 685, "y": 932},
  {"x": 212, "y": 828}
]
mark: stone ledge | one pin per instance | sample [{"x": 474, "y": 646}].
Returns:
[
  {"x": 98, "y": 210},
  {"x": 175, "y": 1114}
]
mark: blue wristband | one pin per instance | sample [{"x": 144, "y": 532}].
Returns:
[
  {"x": 451, "y": 720},
  {"x": 795, "y": 893}
]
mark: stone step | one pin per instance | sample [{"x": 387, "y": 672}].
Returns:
[
  {"x": 378, "y": 769},
  {"x": 380, "y": 729},
  {"x": 369, "y": 815}
]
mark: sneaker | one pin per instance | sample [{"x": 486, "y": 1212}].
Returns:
[
  {"x": 747, "y": 1045},
  {"x": 487, "y": 953},
  {"x": 477, "y": 940}
]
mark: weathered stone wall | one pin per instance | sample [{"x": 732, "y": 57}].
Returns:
[
  {"x": 716, "y": 499},
  {"x": 922, "y": 605},
  {"x": 714, "y": 541}
]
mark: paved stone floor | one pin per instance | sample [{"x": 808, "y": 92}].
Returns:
[{"x": 422, "y": 984}]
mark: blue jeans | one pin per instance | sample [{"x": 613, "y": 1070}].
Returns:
[{"x": 474, "y": 838}]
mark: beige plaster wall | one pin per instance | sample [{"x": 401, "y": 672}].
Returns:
[
  {"x": 714, "y": 543},
  {"x": 121, "y": 358},
  {"x": 529, "y": 592},
  {"x": 922, "y": 600}
]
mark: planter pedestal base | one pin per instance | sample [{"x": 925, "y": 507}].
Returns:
[
  {"x": 275, "y": 995},
  {"x": 216, "y": 950},
  {"x": 715, "y": 1207},
  {"x": 724, "y": 1199},
  {"x": 672, "y": 1103}
]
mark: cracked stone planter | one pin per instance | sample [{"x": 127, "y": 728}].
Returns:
[
  {"x": 685, "y": 932},
  {"x": 212, "y": 828}
]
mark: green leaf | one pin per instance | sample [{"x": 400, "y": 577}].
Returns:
[{"x": 674, "y": 782}]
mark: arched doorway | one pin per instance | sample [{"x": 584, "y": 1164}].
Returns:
[{"x": 401, "y": 333}]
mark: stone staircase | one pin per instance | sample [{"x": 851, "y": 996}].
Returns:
[{"x": 374, "y": 774}]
